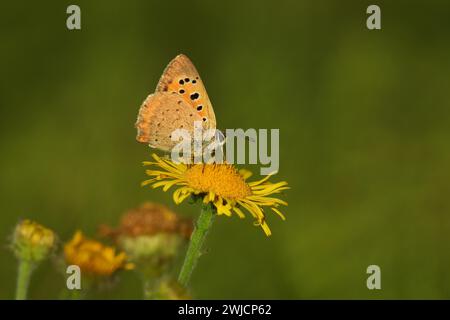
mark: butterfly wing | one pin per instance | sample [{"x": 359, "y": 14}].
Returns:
[
  {"x": 181, "y": 77},
  {"x": 160, "y": 114}
]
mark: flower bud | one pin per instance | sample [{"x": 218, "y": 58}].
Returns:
[
  {"x": 32, "y": 241},
  {"x": 169, "y": 289}
]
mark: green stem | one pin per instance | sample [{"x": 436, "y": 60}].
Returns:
[
  {"x": 149, "y": 289},
  {"x": 23, "y": 278},
  {"x": 198, "y": 237}
]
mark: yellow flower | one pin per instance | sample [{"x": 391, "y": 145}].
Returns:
[
  {"x": 220, "y": 184},
  {"x": 93, "y": 257},
  {"x": 33, "y": 241}
]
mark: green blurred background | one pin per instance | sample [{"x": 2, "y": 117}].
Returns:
[{"x": 364, "y": 129}]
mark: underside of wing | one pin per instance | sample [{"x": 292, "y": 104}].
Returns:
[
  {"x": 181, "y": 77},
  {"x": 161, "y": 114}
]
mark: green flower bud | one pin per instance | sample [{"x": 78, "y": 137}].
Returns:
[
  {"x": 32, "y": 241},
  {"x": 169, "y": 289}
]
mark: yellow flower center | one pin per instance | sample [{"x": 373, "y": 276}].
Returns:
[{"x": 221, "y": 179}]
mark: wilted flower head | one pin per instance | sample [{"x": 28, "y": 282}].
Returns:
[
  {"x": 32, "y": 241},
  {"x": 93, "y": 257},
  {"x": 219, "y": 184},
  {"x": 151, "y": 235},
  {"x": 150, "y": 219}
]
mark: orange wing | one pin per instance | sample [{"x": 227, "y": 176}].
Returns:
[{"x": 181, "y": 77}]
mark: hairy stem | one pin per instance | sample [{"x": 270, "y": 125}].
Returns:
[{"x": 198, "y": 237}]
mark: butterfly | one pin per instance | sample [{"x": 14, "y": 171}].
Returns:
[{"x": 179, "y": 100}]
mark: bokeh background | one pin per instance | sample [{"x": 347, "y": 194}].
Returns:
[{"x": 363, "y": 118}]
